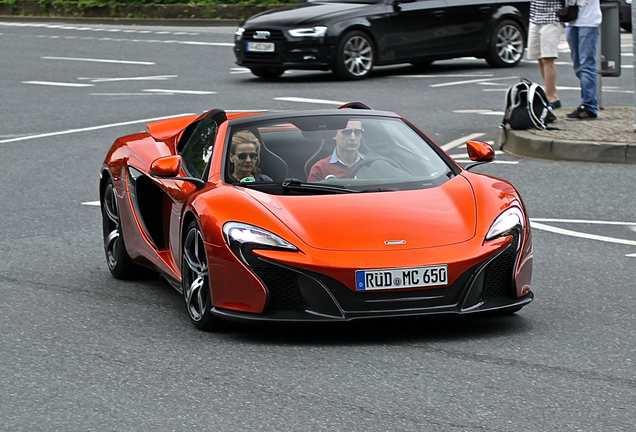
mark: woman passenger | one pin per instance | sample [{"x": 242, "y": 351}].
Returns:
[{"x": 245, "y": 152}]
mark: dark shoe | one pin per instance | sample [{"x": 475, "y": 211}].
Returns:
[
  {"x": 554, "y": 105},
  {"x": 582, "y": 113},
  {"x": 550, "y": 118}
]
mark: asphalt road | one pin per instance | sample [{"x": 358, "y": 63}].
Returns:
[{"x": 81, "y": 351}]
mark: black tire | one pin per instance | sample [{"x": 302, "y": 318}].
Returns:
[
  {"x": 195, "y": 280},
  {"x": 268, "y": 73},
  {"x": 355, "y": 56},
  {"x": 506, "y": 45},
  {"x": 117, "y": 258}
]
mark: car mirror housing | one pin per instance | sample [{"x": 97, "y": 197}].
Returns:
[
  {"x": 167, "y": 166},
  {"x": 479, "y": 152}
]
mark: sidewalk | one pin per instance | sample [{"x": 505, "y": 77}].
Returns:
[{"x": 610, "y": 138}]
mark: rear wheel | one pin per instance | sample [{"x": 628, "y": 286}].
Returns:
[
  {"x": 267, "y": 73},
  {"x": 506, "y": 45},
  {"x": 354, "y": 59},
  {"x": 195, "y": 279}
]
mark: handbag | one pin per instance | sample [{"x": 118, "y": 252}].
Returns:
[{"x": 567, "y": 13}]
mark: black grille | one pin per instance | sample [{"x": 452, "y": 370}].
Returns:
[
  {"x": 499, "y": 273},
  {"x": 274, "y": 36},
  {"x": 282, "y": 285}
]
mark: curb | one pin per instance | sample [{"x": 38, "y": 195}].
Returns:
[
  {"x": 195, "y": 15},
  {"x": 608, "y": 139},
  {"x": 524, "y": 143}
]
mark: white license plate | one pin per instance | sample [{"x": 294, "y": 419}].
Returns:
[
  {"x": 382, "y": 279},
  {"x": 260, "y": 47}
]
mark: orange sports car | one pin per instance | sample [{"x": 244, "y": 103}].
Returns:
[{"x": 314, "y": 215}]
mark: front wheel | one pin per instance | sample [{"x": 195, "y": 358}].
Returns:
[
  {"x": 195, "y": 280},
  {"x": 354, "y": 59},
  {"x": 506, "y": 45},
  {"x": 117, "y": 258}
]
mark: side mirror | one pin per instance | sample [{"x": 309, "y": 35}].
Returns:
[
  {"x": 479, "y": 152},
  {"x": 167, "y": 166}
]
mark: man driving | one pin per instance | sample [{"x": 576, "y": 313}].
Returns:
[{"x": 344, "y": 157}]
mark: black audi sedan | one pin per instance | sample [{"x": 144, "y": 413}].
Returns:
[{"x": 350, "y": 37}]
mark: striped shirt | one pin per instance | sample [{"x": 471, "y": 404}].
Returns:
[{"x": 543, "y": 11}]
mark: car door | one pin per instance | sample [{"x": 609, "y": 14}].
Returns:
[
  {"x": 414, "y": 29},
  {"x": 468, "y": 24}
]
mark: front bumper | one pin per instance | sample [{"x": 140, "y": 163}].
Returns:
[
  {"x": 289, "y": 53},
  {"x": 299, "y": 295}
]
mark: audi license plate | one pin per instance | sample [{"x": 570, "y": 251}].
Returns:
[
  {"x": 260, "y": 47},
  {"x": 381, "y": 279}
]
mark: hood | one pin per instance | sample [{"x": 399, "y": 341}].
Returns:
[
  {"x": 301, "y": 14},
  {"x": 433, "y": 217}
]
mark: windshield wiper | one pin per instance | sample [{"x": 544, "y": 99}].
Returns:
[{"x": 295, "y": 185}]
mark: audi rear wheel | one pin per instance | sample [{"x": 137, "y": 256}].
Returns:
[
  {"x": 506, "y": 45},
  {"x": 355, "y": 56}
]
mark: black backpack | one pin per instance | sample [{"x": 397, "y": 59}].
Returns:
[{"x": 527, "y": 107}]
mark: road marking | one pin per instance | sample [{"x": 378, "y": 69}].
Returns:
[
  {"x": 582, "y": 221},
  {"x": 226, "y": 44},
  {"x": 141, "y": 78},
  {"x": 483, "y": 75},
  {"x": 471, "y": 81},
  {"x": 460, "y": 141},
  {"x": 480, "y": 111},
  {"x": 193, "y": 92},
  {"x": 59, "y": 84},
  {"x": 306, "y": 100},
  {"x": 92, "y": 128},
  {"x": 99, "y": 60},
  {"x": 540, "y": 226},
  {"x": 91, "y": 203}
]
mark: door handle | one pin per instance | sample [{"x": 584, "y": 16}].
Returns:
[
  {"x": 485, "y": 9},
  {"x": 439, "y": 13}
]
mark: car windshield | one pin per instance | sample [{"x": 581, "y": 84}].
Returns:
[{"x": 332, "y": 154}]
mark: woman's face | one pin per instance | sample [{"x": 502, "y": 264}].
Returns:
[{"x": 244, "y": 160}]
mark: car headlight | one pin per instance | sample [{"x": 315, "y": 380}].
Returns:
[
  {"x": 239, "y": 33},
  {"x": 508, "y": 221},
  {"x": 317, "y": 31},
  {"x": 238, "y": 234}
]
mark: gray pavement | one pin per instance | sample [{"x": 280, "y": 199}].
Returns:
[{"x": 610, "y": 138}]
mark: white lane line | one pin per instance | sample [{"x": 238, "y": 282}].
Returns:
[
  {"x": 59, "y": 84},
  {"x": 99, "y": 60},
  {"x": 479, "y": 111},
  {"x": 141, "y": 78},
  {"x": 92, "y": 128},
  {"x": 130, "y": 94},
  {"x": 204, "y": 43},
  {"x": 582, "y": 221},
  {"x": 460, "y": 141},
  {"x": 482, "y": 75},
  {"x": 464, "y": 160},
  {"x": 91, "y": 203},
  {"x": 471, "y": 81},
  {"x": 306, "y": 100},
  {"x": 540, "y": 226},
  {"x": 193, "y": 92}
]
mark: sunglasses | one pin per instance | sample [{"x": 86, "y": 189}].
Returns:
[
  {"x": 243, "y": 156},
  {"x": 347, "y": 132}
]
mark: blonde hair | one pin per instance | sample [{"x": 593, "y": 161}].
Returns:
[{"x": 246, "y": 137}]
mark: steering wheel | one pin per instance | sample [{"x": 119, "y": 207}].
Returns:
[{"x": 370, "y": 160}]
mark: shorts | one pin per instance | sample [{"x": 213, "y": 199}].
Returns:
[{"x": 543, "y": 40}]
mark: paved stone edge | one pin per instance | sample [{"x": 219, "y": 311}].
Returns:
[
  {"x": 524, "y": 143},
  {"x": 224, "y": 13}
]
